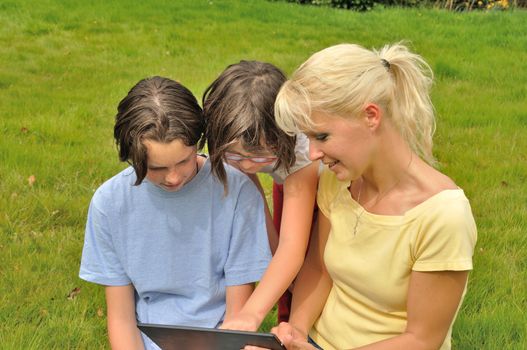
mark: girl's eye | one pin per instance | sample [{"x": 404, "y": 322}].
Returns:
[{"x": 321, "y": 137}]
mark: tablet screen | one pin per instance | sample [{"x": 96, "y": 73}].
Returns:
[{"x": 197, "y": 338}]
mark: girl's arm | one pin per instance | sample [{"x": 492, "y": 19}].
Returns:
[
  {"x": 122, "y": 324},
  {"x": 236, "y": 297},
  {"x": 299, "y": 199},
  {"x": 433, "y": 299}
]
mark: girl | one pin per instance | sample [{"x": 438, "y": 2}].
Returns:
[
  {"x": 389, "y": 264},
  {"x": 241, "y": 130}
]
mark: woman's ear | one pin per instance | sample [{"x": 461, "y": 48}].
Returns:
[{"x": 373, "y": 115}]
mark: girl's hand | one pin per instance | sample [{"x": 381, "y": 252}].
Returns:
[{"x": 241, "y": 322}]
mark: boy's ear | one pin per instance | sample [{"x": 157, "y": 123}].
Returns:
[{"x": 373, "y": 115}]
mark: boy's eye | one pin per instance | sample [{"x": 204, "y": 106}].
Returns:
[
  {"x": 321, "y": 137},
  {"x": 155, "y": 169}
]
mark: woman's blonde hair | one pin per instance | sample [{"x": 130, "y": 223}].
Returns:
[{"x": 343, "y": 79}]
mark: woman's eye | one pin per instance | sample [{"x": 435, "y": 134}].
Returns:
[{"x": 321, "y": 137}]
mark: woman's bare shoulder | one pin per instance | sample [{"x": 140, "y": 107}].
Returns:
[{"x": 428, "y": 182}]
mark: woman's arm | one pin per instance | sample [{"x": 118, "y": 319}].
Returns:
[
  {"x": 299, "y": 198},
  {"x": 433, "y": 299},
  {"x": 313, "y": 283},
  {"x": 312, "y": 288},
  {"x": 122, "y": 324}
]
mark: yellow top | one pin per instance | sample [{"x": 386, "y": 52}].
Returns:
[{"x": 371, "y": 270}]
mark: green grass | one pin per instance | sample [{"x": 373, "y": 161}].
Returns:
[{"x": 65, "y": 65}]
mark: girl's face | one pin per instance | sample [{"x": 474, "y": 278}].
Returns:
[
  {"x": 342, "y": 144},
  {"x": 248, "y": 162},
  {"x": 170, "y": 165}
]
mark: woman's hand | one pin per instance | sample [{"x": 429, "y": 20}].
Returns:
[
  {"x": 291, "y": 337},
  {"x": 300, "y": 345}
]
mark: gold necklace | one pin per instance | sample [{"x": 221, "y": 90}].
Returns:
[
  {"x": 362, "y": 211},
  {"x": 379, "y": 197}
]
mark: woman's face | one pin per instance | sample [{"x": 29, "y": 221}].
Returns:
[{"x": 342, "y": 144}]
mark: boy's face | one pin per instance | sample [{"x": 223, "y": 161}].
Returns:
[
  {"x": 170, "y": 165},
  {"x": 248, "y": 162}
]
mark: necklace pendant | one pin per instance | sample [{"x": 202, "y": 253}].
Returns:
[{"x": 358, "y": 220}]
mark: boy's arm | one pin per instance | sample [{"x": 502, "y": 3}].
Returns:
[
  {"x": 236, "y": 297},
  {"x": 122, "y": 324}
]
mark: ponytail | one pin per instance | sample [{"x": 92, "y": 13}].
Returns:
[{"x": 409, "y": 105}]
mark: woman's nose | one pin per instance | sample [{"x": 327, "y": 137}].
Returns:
[{"x": 314, "y": 152}]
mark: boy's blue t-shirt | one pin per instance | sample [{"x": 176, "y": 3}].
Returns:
[{"x": 181, "y": 249}]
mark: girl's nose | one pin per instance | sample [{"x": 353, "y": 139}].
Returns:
[{"x": 245, "y": 164}]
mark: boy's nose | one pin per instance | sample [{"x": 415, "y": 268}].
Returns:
[{"x": 172, "y": 177}]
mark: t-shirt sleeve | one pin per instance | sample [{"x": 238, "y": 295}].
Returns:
[
  {"x": 249, "y": 252},
  {"x": 327, "y": 190},
  {"x": 301, "y": 153},
  {"x": 100, "y": 263},
  {"x": 446, "y": 238},
  {"x": 301, "y": 160}
]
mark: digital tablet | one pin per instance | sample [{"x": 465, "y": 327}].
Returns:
[{"x": 197, "y": 338}]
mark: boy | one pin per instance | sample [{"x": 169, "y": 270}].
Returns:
[{"x": 160, "y": 235}]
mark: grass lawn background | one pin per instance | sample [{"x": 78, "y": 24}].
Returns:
[{"x": 64, "y": 66}]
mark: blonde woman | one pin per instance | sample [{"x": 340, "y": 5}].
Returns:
[{"x": 389, "y": 264}]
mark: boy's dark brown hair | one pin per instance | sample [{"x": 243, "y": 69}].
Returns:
[
  {"x": 239, "y": 106},
  {"x": 157, "y": 109}
]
